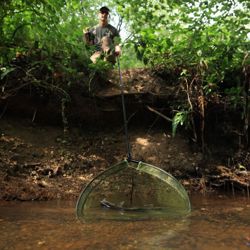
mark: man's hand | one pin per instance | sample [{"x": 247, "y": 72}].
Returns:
[
  {"x": 87, "y": 36},
  {"x": 86, "y": 30},
  {"x": 118, "y": 50}
]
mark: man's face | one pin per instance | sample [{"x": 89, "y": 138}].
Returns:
[{"x": 103, "y": 15}]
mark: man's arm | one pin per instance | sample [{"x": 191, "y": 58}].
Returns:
[
  {"x": 117, "y": 41},
  {"x": 88, "y": 36}
]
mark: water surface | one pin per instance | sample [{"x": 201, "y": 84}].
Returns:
[{"x": 216, "y": 222}]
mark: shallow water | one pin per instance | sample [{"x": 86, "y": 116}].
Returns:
[{"x": 216, "y": 222}]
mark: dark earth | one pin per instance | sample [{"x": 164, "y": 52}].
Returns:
[{"x": 40, "y": 159}]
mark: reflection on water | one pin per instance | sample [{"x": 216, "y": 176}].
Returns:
[{"x": 215, "y": 223}]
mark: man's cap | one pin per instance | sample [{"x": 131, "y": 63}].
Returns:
[{"x": 104, "y": 9}]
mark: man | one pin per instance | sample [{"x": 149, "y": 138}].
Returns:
[{"x": 105, "y": 37}]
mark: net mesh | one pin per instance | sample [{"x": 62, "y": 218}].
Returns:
[{"x": 132, "y": 190}]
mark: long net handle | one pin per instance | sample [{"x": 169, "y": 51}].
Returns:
[{"x": 129, "y": 156}]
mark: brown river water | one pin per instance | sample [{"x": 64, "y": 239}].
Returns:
[{"x": 216, "y": 222}]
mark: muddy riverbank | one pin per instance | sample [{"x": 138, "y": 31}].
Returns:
[{"x": 43, "y": 163}]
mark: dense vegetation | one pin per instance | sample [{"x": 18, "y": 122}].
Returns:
[{"x": 203, "y": 46}]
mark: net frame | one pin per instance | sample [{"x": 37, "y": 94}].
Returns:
[{"x": 140, "y": 167}]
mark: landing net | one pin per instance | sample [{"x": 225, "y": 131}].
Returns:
[{"x": 132, "y": 191}]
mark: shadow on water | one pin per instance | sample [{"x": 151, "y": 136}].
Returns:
[{"x": 216, "y": 222}]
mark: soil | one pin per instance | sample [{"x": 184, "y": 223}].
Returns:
[{"x": 39, "y": 160}]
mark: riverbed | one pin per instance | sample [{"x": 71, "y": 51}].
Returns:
[{"x": 216, "y": 222}]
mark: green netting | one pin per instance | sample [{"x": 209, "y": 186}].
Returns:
[{"x": 132, "y": 190}]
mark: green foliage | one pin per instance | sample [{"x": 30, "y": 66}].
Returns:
[
  {"x": 129, "y": 59},
  {"x": 55, "y": 26},
  {"x": 42, "y": 42},
  {"x": 189, "y": 33},
  {"x": 180, "y": 118},
  {"x": 41, "y": 46},
  {"x": 100, "y": 68},
  {"x": 5, "y": 71},
  {"x": 201, "y": 42},
  {"x": 204, "y": 44},
  {"x": 235, "y": 96}
]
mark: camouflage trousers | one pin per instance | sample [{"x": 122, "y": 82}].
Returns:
[{"x": 106, "y": 53}]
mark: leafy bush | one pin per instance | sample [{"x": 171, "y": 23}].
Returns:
[{"x": 202, "y": 43}]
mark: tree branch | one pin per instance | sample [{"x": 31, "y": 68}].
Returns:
[{"x": 160, "y": 114}]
